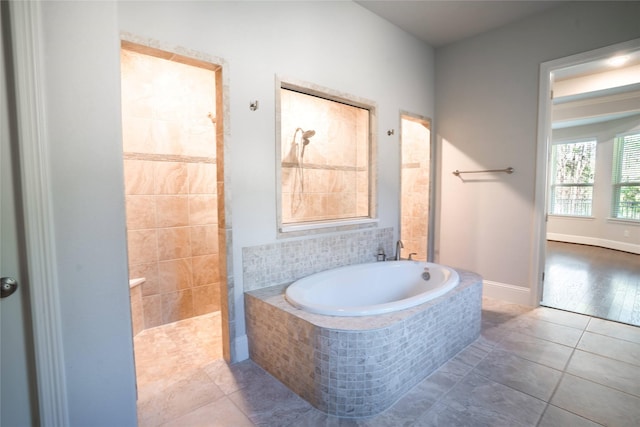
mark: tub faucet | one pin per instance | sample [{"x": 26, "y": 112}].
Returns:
[{"x": 399, "y": 247}]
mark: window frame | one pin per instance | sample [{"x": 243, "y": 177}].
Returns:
[
  {"x": 553, "y": 173},
  {"x": 285, "y": 230},
  {"x": 617, "y": 173}
]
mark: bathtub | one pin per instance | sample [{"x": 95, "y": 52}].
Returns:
[
  {"x": 359, "y": 365},
  {"x": 374, "y": 288}
]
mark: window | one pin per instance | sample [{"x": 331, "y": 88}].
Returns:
[
  {"x": 572, "y": 178},
  {"x": 626, "y": 177},
  {"x": 325, "y": 152}
]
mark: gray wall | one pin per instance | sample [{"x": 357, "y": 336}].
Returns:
[
  {"x": 337, "y": 45},
  {"x": 486, "y": 117},
  {"x": 82, "y": 86}
]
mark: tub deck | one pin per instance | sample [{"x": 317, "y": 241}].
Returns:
[{"x": 359, "y": 366}]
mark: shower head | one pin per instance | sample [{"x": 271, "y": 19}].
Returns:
[
  {"x": 306, "y": 135},
  {"x": 305, "y": 139}
]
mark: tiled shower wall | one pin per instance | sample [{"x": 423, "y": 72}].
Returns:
[
  {"x": 415, "y": 188},
  {"x": 172, "y": 237},
  {"x": 333, "y": 181},
  {"x": 169, "y": 141}
]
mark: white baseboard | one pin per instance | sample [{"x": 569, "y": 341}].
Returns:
[
  {"x": 241, "y": 346},
  {"x": 506, "y": 292},
  {"x": 595, "y": 241}
]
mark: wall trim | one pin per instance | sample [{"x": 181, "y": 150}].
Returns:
[
  {"x": 595, "y": 241},
  {"x": 26, "y": 30},
  {"x": 507, "y": 292}
]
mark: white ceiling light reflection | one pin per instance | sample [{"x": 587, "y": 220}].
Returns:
[{"x": 618, "y": 61}]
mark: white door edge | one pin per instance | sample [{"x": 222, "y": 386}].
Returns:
[{"x": 26, "y": 27}]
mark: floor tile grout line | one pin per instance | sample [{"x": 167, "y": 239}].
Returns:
[
  {"x": 523, "y": 332},
  {"x": 529, "y": 315},
  {"x": 201, "y": 405},
  {"x": 442, "y": 395},
  {"x": 611, "y": 336},
  {"x": 473, "y": 370},
  {"x": 564, "y": 372},
  {"x": 604, "y": 356},
  {"x": 507, "y": 385},
  {"x": 228, "y": 396},
  {"x": 566, "y": 410},
  {"x": 592, "y": 382}
]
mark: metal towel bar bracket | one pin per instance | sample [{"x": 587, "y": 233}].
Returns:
[{"x": 507, "y": 170}]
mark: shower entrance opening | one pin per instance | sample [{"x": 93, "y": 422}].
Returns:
[
  {"x": 174, "y": 188},
  {"x": 416, "y": 204}
]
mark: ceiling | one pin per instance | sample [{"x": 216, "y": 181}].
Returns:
[
  {"x": 439, "y": 23},
  {"x": 442, "y": 22}
]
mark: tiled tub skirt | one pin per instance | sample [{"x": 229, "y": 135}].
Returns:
[{"x": 359, "y": 366}]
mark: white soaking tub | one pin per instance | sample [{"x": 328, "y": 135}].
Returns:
[{"x": 372, "y": 288}]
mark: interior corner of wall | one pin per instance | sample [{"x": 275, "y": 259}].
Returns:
[
  {"x": 241, "y": 346},
  {"x": 506, "y": 292}
]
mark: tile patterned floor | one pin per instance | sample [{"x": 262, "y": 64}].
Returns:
[
  {"x": 595, "y": 281},
  {"x": 530, "y": 367}
]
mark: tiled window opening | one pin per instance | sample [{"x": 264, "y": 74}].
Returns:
[{"x": 326, "y": 176}]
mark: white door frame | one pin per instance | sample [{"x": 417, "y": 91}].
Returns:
[
  {"x": 539, "y": 229},
  {"x": 26, "y": 39}
]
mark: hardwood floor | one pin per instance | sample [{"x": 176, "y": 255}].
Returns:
[{"x": 591, "y": 280}]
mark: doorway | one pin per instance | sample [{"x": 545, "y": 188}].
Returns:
[
  {"x": 173, "y": 158},
  {"x": 590, "y": 241},
  {"x": 416, "y": 204}
]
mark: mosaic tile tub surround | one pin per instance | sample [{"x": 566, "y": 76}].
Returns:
[
  {"x": 284, "y": 262},
  {"x": 359, "y": 366}
]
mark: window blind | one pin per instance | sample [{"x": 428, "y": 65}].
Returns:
[
  {"x": 626, "y": 177},
  {"x": 572, "y": 178}
]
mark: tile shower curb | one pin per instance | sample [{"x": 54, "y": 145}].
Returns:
[{"x": 359, "y": 366}]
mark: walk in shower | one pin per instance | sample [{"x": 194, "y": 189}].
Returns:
[
  {"x": 169, "y": 144},
  {"x": 416, "y": 196}
]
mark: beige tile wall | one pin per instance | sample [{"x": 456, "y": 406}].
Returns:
[
  {"x": 415, "y": 188},
  {"x": 173, "y": 239},
  {"x": 335, "y": 163},
  {"x": 137, "y": 315},
  {"x": 169, "y": 142}
]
